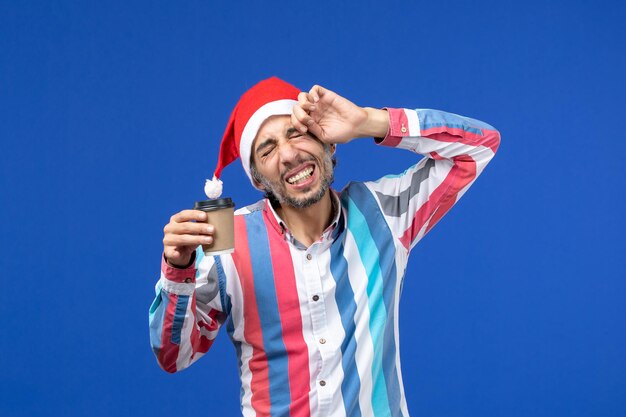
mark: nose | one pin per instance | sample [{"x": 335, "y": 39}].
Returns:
[{"x": 287, "y": 152}]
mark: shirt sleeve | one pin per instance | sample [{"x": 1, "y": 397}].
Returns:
[
  {"x": 187, "y": 312},
  {"x": 456, "y": 151}
]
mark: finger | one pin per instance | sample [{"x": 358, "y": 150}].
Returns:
[
  {"x": 302, "y": 116},
  {"x": 191, "y": 228},
  {"x": 306, "y": 101},
  {"x": 188, "y": 215},
  {"x": 316, "y": 92},
  {"x": 307, "y": 107},
  {"x": 297, "y": 123},
  {"x": 304, "y": 97},
  {"x": 181, "y": 241}
]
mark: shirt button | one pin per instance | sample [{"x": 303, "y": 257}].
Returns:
[
  {"x": 187, "y": 280},
  {"x": 323, "y": 383},
  {"x": 322, "y": 340},
  {"x": 316, "y": 297},
  {"x": 309, "y": 256},
  {"x": 403, "y": 130}
]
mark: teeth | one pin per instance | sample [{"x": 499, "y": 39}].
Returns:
[{"x": 300, "y": 176}]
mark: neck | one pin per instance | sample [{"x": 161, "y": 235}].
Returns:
[{"x": 308, "y": 224}]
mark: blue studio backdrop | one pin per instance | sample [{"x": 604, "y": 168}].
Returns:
[{"x": 111, "y": 115}]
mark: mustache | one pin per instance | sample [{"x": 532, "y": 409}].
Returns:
[{"x": 291, "y": 165}]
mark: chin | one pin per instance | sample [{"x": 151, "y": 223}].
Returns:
[{"x": 310, "y": 197}]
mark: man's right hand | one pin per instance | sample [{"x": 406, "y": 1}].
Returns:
[
  {"x": 335, "y": 119},
  {"x": 183, "y": 234}
]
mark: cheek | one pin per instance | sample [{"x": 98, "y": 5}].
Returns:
[
  {"x": 311, "y": 147},
  {"x": 269, "y": 168}
]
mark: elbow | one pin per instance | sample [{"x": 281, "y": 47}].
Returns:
[
  {"x": 486, "y": 148},
  {"x": 166, "y": 360},
  {"x": 168, "y": 367},
  {"x": 492, "y": 140},
  {"x": 170, "y": 370}
]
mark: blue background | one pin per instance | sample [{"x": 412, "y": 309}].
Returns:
[{"x": 110, "y": 119}]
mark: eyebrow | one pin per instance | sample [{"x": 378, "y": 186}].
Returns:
[{"x": 265, "y": 144}]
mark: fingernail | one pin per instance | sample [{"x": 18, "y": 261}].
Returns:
[
  {"x": 210, "y": 229},
  {"x": 208, "y": 239},
  {"x": 303, "y": 129}
]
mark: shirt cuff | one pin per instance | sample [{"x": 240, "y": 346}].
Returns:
[
  {"x": 180, "y": 275},
  {"x": 402, "y": 123}
]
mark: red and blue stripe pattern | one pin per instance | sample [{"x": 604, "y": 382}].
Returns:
[
  {"x": 266, "y": 293},
  {"x": 273, "y": 327}
]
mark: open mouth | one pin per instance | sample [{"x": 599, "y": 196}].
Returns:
[{"x": 301, "y": 176}]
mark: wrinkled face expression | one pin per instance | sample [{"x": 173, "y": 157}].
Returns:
[{"x": 297, "y": 168}]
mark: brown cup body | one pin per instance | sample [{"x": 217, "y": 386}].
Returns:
[{"x": 222, "y": 217}]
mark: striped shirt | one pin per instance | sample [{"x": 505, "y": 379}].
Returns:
[{"x": 316, "y": 329}]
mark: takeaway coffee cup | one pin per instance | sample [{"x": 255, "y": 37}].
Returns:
[{"x": 221, "y": 214}]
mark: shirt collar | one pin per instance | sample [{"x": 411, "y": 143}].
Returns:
[{"x": 281, "y": 226}]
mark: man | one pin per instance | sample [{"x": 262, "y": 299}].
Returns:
[{"x": 310, "y": 294}]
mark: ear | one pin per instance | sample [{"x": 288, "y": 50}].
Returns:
[{"x": 258, "y": 185}]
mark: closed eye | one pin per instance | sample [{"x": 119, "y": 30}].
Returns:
[
  {"x": 266, "y": 147},
  {"x": 293, "y": 133}
]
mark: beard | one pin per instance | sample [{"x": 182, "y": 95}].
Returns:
[{"x": 276, "y": 191}]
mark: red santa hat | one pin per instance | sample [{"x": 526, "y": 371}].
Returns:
[{"x": 269, "y": 97}]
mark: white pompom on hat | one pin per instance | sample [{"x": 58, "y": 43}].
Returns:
[{"x": 270, "y": 97}]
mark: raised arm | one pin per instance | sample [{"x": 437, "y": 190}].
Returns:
[{"x": 456, "y": 148}]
